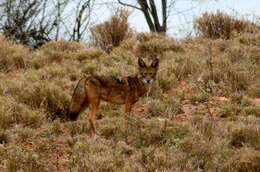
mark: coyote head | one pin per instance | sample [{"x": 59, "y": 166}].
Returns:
[{"x": 148, "y": 73}]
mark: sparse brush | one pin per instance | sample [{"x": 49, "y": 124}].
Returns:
[
  {"x": 152, "y": 45},
  {"x": 77, "y": 128},
  {"x": 229, "y": 110},
  {"x": 129, "y": 44},
  {"x": 205, "y": 126},
  {"x": 232, "y": 70},
  {"x": 221, "y": 25},
  {"x": 111, "y": 128},
  {"x": 246, "y": 137},
  {"x": 157, "y": 107},
  {"x": 112, "y": 32},
  {"x": 199, "y": 152},
  {"x": 62, "y": 46},
  {"x": 25, "y": 134},
  {"x": 92, "y": 53},
  {"x": 38, "y": 96},
  {"x": 236, "y": 97},
  {"x": 23, "y": 160},
  {"x": 157, "y": 159},
  {"x": 175, "y": 133},
  {"x": 119, "y": 53},
  {"x": 94, "y": 155},
  {"x": 89, "y": 68},
  {"x": 56, "y": 128},
  {"x": 245, "y": 159},
  {"x": 249, "y": 39},
  {"x": 57, "y": 51},
  {"x": 139, "y": 128},
  {"x": 13, "y": 113},
  {"x": 166, "y": 78},
  {"x": 172, "y": 133},
  {"x": 43, "y": 95},
  {"x": 199, "y": 94},
  {"x": 186, "y": 66},
  {"x": 13, "y": 56},
  {"x": 254, "y": 55},
  {"x": 156, "y": 132},
  {"x": 251, "y": 110},
  {"x": 168, "y": 107}
]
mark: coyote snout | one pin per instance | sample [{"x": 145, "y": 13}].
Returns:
[{"x": 127, "y": 90}]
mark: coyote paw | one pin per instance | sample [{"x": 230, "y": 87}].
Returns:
[{"x": 95, "y": 135}]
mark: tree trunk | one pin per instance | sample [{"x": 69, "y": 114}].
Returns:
[
  {"x": 151, "y": 15},
  {"x": 148, "y": 8},
  {"x": 164, "y": 15}
]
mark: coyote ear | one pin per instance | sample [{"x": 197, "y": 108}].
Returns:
[
  {"x": 155, "y": 63},
  {"x": 141, "y": 63}
]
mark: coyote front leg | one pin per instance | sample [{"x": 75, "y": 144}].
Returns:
[{"x": 128, "y": 107}]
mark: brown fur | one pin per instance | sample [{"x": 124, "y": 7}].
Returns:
[{"x": 92, "y": 89}]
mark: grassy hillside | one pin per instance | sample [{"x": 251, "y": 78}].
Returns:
[{"x": 203, "y": 113}]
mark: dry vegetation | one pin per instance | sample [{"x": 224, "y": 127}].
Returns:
[
  {"x": 203, "y": 114},
  {"x": 112, "y": 32},
  {"x": 221, "y": 25}
]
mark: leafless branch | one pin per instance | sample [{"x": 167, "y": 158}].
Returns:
[
  {"x": 129, "y": 5},
  {"x": 81, "y": 21}
]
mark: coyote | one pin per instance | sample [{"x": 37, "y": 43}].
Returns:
[{"x": 90, "y": 90}]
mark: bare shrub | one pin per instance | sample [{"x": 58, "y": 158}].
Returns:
[
  {"x": 221, "y": 25},
  {"x": 112, "y": 32}
]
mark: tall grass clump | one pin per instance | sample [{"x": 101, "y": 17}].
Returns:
[
  {"x": 151, "y": 44},
  {"x": 243, "y": 160},
  {"x": 41, "y": 95},
  {"x": 112, "y": 32},
  {"x": 12, "y": 56},
  {"x": 12, "y": 113},
  {"x": 221, "y": 25},
  {"x": 246, "y": 136},
  {"x": 56, "y": 51}
]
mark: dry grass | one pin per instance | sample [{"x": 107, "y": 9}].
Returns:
[
  {"x": 202, "y": 114},
  {"x": 221, "y": 25},
  {"x": 152, "y": 45},
  {"x": 12, "y": 56},
  {"x": 246, "y": 137}
]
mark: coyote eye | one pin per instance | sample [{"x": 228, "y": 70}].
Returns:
[
  {"x": 150, "y": 73},
  {"x": 145, "y": 73}
]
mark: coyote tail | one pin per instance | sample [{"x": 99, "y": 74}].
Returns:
[{"x": 78, "y": 100}]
